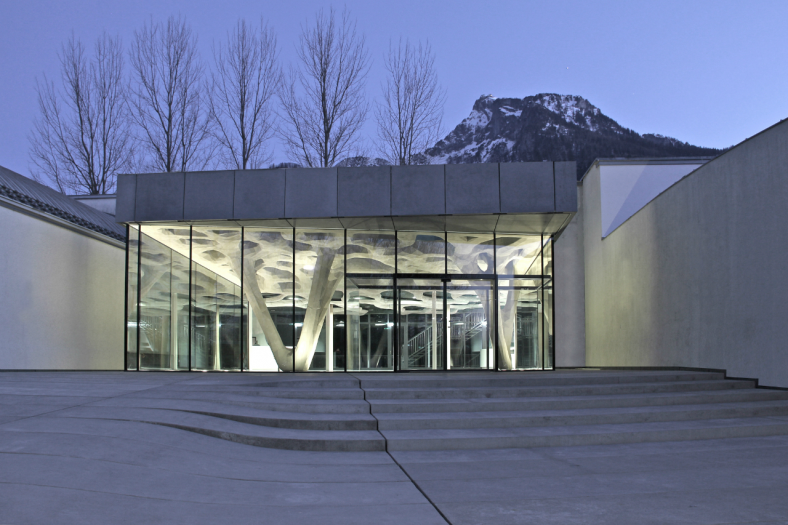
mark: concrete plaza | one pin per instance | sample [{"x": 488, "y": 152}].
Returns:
[{"x": 65, "y": 459}]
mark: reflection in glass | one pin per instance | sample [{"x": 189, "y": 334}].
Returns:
[
  {"x": 518, "y": 254},
  {"x": 421, "y": 252},
  {"x": 370, "y": 323},
  {"x": 471, "y": 253},
  {"x": 132, "y": 299},
  {"x": 370, "y": 252}
]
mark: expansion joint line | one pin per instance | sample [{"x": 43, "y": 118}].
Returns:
[{"x": 386, "y": 444}]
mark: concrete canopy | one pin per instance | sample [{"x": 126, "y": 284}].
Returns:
[{"x": 523, "y": 197}]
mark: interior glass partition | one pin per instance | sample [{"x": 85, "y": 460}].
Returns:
[{"x": 220, "y": 297}]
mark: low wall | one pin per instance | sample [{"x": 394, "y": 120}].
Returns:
[{"x": 699, "y": 276}]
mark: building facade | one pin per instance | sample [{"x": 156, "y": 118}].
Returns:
[{"x": 344, "y": 269}]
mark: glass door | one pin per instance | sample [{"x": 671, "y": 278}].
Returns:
[{"x": 445, "y": 322}]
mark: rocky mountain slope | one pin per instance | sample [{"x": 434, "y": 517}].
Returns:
[{"x": 548, "y": 127}]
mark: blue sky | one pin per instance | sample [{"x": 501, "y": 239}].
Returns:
[{"x": 709, "y": 73}]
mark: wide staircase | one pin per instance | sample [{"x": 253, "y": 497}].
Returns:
[{"x": 462, "y": 410}]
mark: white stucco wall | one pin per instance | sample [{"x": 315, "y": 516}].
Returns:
[
  {"x": 698, "y": 277},
  {"x": 62, "y": 297}
]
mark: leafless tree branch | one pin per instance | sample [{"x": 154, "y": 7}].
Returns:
[
  {"x": 168, "y": 97},
  {"x": 244, "y": 82},
  {"x": 410, "y": 116},
  {"x": 323, "y": 101},
  {"x": 81, "y": 139}
]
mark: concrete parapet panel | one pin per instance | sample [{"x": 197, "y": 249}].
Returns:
[
  {"x": 472, "y": 188},
  {"x": 311, "y": 192},
  {"x": 566, "y": 186},
  {"x": 417, "y": 190},
  {"x": 259, "y": 194},
  {"x": 126, "y": 198},
  {"x": 527, "y": 187},
  {"x": 208, "y": 195},
  {"x": 364, "y": 192},
  {"x": 159, "y": 197}
]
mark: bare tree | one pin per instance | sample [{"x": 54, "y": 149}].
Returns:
[
  {"x": 80, "y": 141},
  {"x": 168, "y": 97},
  {"x": 323, "y": 99},
  {"x": 244, "y": 82},
  {"x": 410, "y": 115}
]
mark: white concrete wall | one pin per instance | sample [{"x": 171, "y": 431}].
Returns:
[
  {"x": 699, "y": 276},
  {"x": 61, "y": 297},
  {"x": 569, "y": 293}
]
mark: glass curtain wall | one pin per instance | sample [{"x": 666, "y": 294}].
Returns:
[{"x": 295, "y": 299}]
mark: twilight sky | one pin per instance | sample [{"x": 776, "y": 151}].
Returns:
[{"x": 711, "y": 73}]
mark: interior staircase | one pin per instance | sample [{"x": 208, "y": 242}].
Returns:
[{"x": 460, "y": 410}]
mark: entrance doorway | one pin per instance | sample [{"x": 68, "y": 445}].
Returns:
[{"x": 445, "y": 323}]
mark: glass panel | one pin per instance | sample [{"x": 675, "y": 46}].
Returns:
[
  {"x": 421, "y": 252},
  {"x": 370, "y": 252},
  {"x": 370, "y": 319},
  {"x": 319, "y": 276},
  {"x": 217, "y": 342},
  {"x": 471, "y": 253},
  {"x": 547, "y": 303},
  {"x": 164, "y": 278},
  {"x": 519, "y": 317},
  {"x": 422, "y": 339},
  {"x": 132, "y": 299},
  {"x": 204, "y": 322},
  {"x": 469, "y": 315},
  {"x": 518, "y": 255},
  {"x": 268, "y": 288}
]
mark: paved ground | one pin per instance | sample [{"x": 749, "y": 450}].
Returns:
[{"x": 57, "y": 468}]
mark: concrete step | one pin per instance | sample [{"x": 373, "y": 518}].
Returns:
[
  {"x": 285, "y": 392},
  {"x": 594, "y": 416},
  {"x": 427, "y": 380},
  {"x": 552, "y": 391},
  {"x": 567, "y": 436},
  {"x": 411, "y": 406},
  {"x": 309, "y": 406}
]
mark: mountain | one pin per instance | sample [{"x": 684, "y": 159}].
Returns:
[{"x": 549, "y": 127}]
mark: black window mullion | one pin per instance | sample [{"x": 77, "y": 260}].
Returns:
[
  {"x": 126, "y": 308},
  {"x": 244, "y": 337},
  {"x": 191, "y": 299},
  {"x": 139, "y": 289}
]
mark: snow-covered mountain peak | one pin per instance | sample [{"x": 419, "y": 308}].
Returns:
[{"x": 547, "y": 126}]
